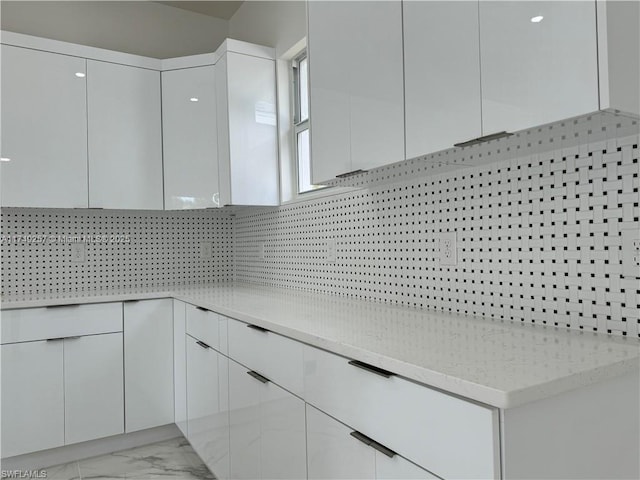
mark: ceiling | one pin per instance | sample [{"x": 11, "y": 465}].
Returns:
[{"x": 219, "y": 9}]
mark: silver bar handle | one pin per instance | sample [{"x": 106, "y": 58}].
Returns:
[{"x": 258, "y": 377}]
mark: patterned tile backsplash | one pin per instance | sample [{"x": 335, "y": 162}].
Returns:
[
  {"x": 124, "y": 250},
  {"x": 538, "y": 220}
]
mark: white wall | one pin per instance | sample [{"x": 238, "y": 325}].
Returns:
[
  {"x": 138, "y": 27},
  {"x": 275, "y": 24}
]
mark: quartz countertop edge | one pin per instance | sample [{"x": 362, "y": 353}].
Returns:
[{"x": 496, "y": 363}]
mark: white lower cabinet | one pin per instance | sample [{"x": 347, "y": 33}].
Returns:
[
  {"x": 62, "y": 377},
  {"x": 93, "y": 387},
  {"x": 207, "y": 405},
  {"x": 267, "y": 428},
  {"x": 333, "y": 452},
  {"x": 148, "y": 363},
  {"x": 32, "y": 397},
  {"x": 180, "y": 366},
  {"x": 451, "y": 437}
]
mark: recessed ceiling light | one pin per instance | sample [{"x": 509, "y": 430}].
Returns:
[
  {"x": 81, "y": 74},
  {"x": 5, "y": 159},
  {"x": 537, "y": 19},
  {"x": 193, "y": 99}
]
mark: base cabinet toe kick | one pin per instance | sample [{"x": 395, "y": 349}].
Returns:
[{"x": 257, "y": 404}]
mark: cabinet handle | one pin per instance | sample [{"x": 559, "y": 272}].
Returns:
[
  {"x": 202, "y": 344},
  {"x": 57, "y": 339},
  {"x": 256, "y": 327},
  {"x": 202, "y": 309},
  {"x": 131, "y": 301},
  {"x": 373, "y": 444},
  {"x": 64, "y": 305},
  {"x": 258, "y": 377},
  {"x": 485, "y": 138},
  {"x": 372, "y": 369},
  {"x": 350, "y": 174}
]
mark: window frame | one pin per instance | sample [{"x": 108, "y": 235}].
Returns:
[{"x": 300, "y": 124}]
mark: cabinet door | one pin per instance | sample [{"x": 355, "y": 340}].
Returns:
[
  {"x": 333, "y": 453},
  {"x": 125, "y": 137},
  {"x": 190, "y": 139},
  {"x": 148, "y": 364},
  {"x": 44, "y": 129},
  {"x": 267, "y": 428},
  {"x": 244, "y": 423},
  {"x": 283, "y": 438},
  {"x": 247, "y": 132},
  {"x": 180, "y": 366},
  {"x": 208, "y": 406},
  {"x": 536, "y": 72},
  {"x": 93, "y": 387},
  {"x": 442, "y": 75},
  {"x": 32, "y": 397},
  {"x": 356, "y": 86}
]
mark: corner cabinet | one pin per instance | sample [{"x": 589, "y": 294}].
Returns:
[
  {"x": 44, "y": 129},
  {"x": 125, "y": 137},
  {"x": 247, "y": 129},
  {"x": 190, "y": 138},
  {"x": 219, "y": 128},
  {"x": 356, "y": 86}
]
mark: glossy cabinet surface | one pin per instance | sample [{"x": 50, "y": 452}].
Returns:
[
  {"x": 93, "y": 387},
  {"x": 190, "y": 139},
  {"x": 32, "y": 397},
  {"x": 247, "y": 130},
  {"x": 537, "y": 72},
  {"x": 148, "y": 364},
  {"x": 356, "y": 86},
  {"x": 207, "y": 406},
  {"x": 267, "y": 428},
  {"x": 452, "y": 438},
  {"x": 442, "y": 75},
  {"x": 180, "y": 366},
  {"x": 207, "y": 326},
  {"x": 125, "y": 137},
  {"x": 44, "y": 130},
  {"x": 28, "y": 324},
  {"x": 256, "y": 349},
  {"x": 333, "y": 452}
]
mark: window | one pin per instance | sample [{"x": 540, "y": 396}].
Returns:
[{"x": 300, "y": 66}]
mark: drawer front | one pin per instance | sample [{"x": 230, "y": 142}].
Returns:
[
  {"x": 448, "y": 436},
  {"x": 208, "y": 327},
  {"x": 276, "y": 357},
  {"x": 30, "y": 324}
]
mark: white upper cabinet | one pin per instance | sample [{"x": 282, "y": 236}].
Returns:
[
  {"x": 247, "y": 131},
  {"x": 356, "y": 86},
  {"x": 619, "y": 55},
  {"x": 539, "y": 62},
  {"x": 190, "y": 138},
  {"x": 125, "y": 137},
  {"x": 442, "y": 75},
  {"x": 44, "y": 129}
]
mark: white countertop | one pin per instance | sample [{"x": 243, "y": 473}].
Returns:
[{"x": 491, "y": 361}]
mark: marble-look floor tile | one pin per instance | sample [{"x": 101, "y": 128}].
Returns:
[
  {"x": 170, "y": 460},
  {"x": 67, "y": 471}
]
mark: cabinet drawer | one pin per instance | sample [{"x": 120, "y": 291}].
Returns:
[
  {"x": 207, "y": 326},
  {"x": 273, "y": 356},
  {"x": 30, "y": 324},
  {"x": 448, "y": 436}
]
